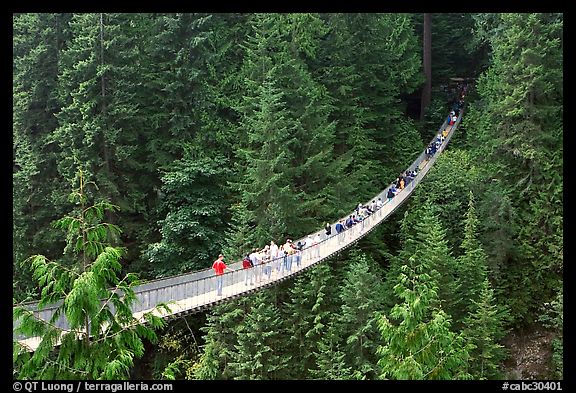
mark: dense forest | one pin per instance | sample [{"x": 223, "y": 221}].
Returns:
[{"x": 146, "y": 144}]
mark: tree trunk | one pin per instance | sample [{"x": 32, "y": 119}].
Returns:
[
  {"x": 427, "y": 91},
  {"x": 105, "y": 148}
]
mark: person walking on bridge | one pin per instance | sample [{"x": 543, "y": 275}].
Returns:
[
  {"x": 248, "y": 273},
  {"x": 219, "y": 266}
]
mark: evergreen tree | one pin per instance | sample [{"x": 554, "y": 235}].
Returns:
[
  {"x": 99, "y": 122},
  {"x": 425, "y": 239},
  {"x": 103, "y": 336},
  {"x": 330, "y": 359},
  {"x": 191, "y": 231},
  {"x": 389, "y": 60},
  {"x": 257, "y": 354},
  {"x": 336, "y": 67},
  {"x": 471, "y": 267},
  {"x": 368, "y": 62},
  {"x": 39, "y": 195},
  {"x": 267, "y": 193},
  {"x": 447, "y": 186},
  {"x": 454, "y": 52},
  {"x": 288, "y": 155},
  {"x": 484, "y": 328},
  {"x": 221, "y": 337},
  {"x": 306, "y": 315},
  {"x": 516, "y": 130},
  {"x": 417, "y": 342},
  {"x": 553, "y": 318},
  {"x": 361, "y": 298}
]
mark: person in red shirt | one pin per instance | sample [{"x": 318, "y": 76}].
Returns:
[
  {"x": 219, "y": 266},
  {"x": 248, "y": 273}
]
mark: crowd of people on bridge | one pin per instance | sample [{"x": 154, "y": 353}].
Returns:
[{"x": 260, "y": 263}]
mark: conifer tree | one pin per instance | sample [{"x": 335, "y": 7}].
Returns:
[
  {"x": 305, "y": 317},
  {"x": 39, "y": 195},
  {"x": 336, "y": 68},
  {"x": 416, "y": 340},
  {"x": 484, "y": 328},
  {"x": 367, "y": 62},
  {"x": 103, "y": 336},
  {"x": 471, "y": 267},
  {"x": 100, "y": 123},
  {"x": 450, "y": 194},
  {"x": 258, "y": 355},
  {"x": 330, "y": 359},
  {"x": 424, "y": 238},
  {"x": 192, "y": 229},
  {"x": 221, "y": 337},
  {"x": 361, "y": 297},
  {"x": 267, "y": 193},
  {"x": 288, "y": 155},
  {"x": 516, "y": 131},
  {"x": 553, "y": 318}
]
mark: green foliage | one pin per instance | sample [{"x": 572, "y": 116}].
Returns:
[
  {"x": 285, "y": 166},
  {"x": 367, "y": 62},
  {"x": 447, "y": 186},
  {"x": 39, "y": 195},
  {"x": 257, "y": 354},
  {"x": 417, "y": 342},
  {"x": 484, "y": 328},
  {"x": 191, "y": 231},
  {"x": 452, "y": 52},
  {"x": 424, "y": 238},
  {"x": 516, "y": 132},
  {"x": 352, "y": 336},
  {"x": 306, "y": 314},
  {"x": 330, "y": 359},
  {"x": 178, "y": 353},
  {"x": 471, "y": 268},
  {"x": 220, "y": 132},
  {"x": 221, "y": 337},
  {"x": 103, "y": 336},
  {"x": 553, "y": 318}
]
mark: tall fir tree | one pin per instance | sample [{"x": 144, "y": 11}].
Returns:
[
  {"x": 450, "y": 194},
  {"x": 484, "y": 329},
  {"x": 218, "y": 351},
  {"x": 417, "y": 342},
  {"x": 330, "y": 359},
  {"x": 305, "y": 315},
  {"x": 39, "y": 195},
  {"x": 257, "y": 354},
  {"x": 361, "y": 297},
  {"x": 516, "y": 131},
  {"x": 424, "y": 238},
  {"x": 288, "y": 154},
  {"x": 472, "y": 268},
  {"x": 100, "y": 119},
  {"x": 103, "y": 337}
]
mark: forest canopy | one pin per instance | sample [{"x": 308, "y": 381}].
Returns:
[{"x": 199, "y": 134}]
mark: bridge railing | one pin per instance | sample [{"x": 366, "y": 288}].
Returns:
[{"x": 198, "y": 289}]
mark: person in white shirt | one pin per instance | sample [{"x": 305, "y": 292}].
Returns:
[
  {"x": 316, "y": 244},
  {"x": 274, "y": 255}
]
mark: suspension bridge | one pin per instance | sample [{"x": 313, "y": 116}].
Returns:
[{"x": 196, "y": 291}]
